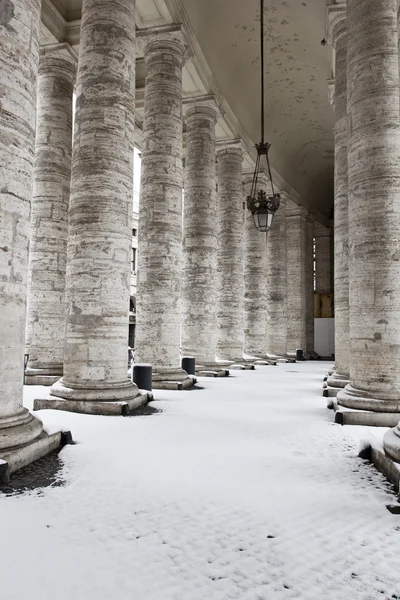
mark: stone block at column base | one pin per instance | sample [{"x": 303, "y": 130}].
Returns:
[
  {"x": 13, "y": 459},
  {"x": 280, "y": 358},
  {"x": 165, "y": 378},
  {"x": 44, "y": 377},
  {"x": 376, "y": 452},
  {"x": 117, "y": 399},
  {"x": 350, "y": 397},
  {"x": 348, "y": 416},
  {"x": 240, "y": 364},
  {"x": 333, "y": 385},
  {"x": 211, "y": 369},
  {"x": 391, "y": 444},
  {"x": 22, "y": 441}
]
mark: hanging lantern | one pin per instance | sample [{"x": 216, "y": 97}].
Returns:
[{"x": 262, "y": 206}]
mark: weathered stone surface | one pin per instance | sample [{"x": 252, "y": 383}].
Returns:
[
  {"x": 100, "y": 230},
  {"x": 255, "y": 279},
  {"x": 323, "y": 259},
  {"x": 158, "y": 308},
  {"x": 277, "y": 284},
  {"x": 19, "y": 59},
  {"x": 296, "y": 282},
  {"x": 230, "y": 252},
  {"x": 374, "y": 206},
  {"x": 392, "y": 438},
  {"x": 199, "y": 332},
  {"x": 309, "y": 286},
  {"x": 45, "y": 325},
  {"x": 341, "y": 376}
]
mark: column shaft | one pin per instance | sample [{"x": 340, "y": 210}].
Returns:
[
  {"x": 309, "y": 285},
  {"x": 19, "y": 58},
  {"x": 100, "y": 216},
  {"x": 374, "y": 206},
  {"x": 277, "y": 283},
  {"x": 230, "y": 253},
  {"x": 255, "y": 283},
  {"x": 199, "y": 334},
  {"x": 341, "y": 224},
  {"x": 323, "y": 261},
  {"x": 296, "y": 285},
  {"x": 45, "y": 326},
  {"x": 158, "y": 329}
]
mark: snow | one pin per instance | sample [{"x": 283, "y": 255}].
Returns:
[{"x": 243, "y": 490}]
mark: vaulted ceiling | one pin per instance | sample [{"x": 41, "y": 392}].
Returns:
[{"x": 225, "y": 38}]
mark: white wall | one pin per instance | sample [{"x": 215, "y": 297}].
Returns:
[{"x": 324, "y": 336}]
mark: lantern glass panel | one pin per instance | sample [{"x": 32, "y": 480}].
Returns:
[{"x": 262, "y": 217}]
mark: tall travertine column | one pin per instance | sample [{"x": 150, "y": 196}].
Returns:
[
  {"x": 100, "y": 229},
  {"x": 391, "y": 439},
  {"x": 19, "y": 58},
  {"x": 255, "y": 282},
  {"x": 277, "y": 283},
  {"x": 374, "y": 206},
  {"x": 45, "y": 325},
  {"x": 199, "y": 333},
  {"x": 323, "y": 259},
  {"x": 230, "y": 252},
  {"x": 309, "y": 283},
  {"x": 341, "y": 375},
  {"x": 296, "y": 277},
  {"x": 158, "y": 307}
]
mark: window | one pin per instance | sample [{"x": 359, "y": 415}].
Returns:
[
  {"x": 133, "y": 261},
  {"x": 134, "y": 232}
]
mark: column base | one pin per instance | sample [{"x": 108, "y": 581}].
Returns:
[
  {"x": 45, "y": 376},
  {"x": 333, "y": 384},
  {"x": 120, "y": 399},
  {"x": 211, "y": 369},
  {"x": 350, "y": 397},
  {"x": 22, "y": 441},
  {"x": 13, "y": 459},
  {"x": 379, "y": 456},
  {"x": 391, "y": 444},
  {"x": 240, "y": 364},
  {"x": 345, "y": 416},
  {"x": 169, "y": 378},
  {"x": 264, "y": 359},
  {"x": 281, "y": 358}
]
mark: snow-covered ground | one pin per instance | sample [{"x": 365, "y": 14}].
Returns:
[{"x": 245, "y": 490}]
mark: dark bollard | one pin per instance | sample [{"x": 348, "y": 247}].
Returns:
[
  {"x": 142, "y": 375},
  {"x": 299, "y": 354},
  {"x": 189, "y": 364}
]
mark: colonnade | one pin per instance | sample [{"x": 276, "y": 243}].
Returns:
[
  {"x": 367, "y": 213},
  {"x": 209, "y": 284}
]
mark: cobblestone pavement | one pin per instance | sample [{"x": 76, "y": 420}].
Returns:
[
  {"x": 245, "y": 490},
  {"x": 41, "y": 474}
]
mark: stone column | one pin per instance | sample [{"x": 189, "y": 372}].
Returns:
[
  {"x": 100, "y": 218},
  {"x": 296, "y": 278},
  {"x": 309, "y": 284},
  {"x": 391, "y": 440},
  {"x": 255, "y": 282},
  {"x": 341, "y": 375},
  {"x": 374, "y": 207},
  {"x": 277, "y": 283},
  {"x": 45, "y": 325},
  {"x": 19, "y": 59},
  {"x": 199, "y": 333},
  {"x": 160, "y": 211},
  {"x": 323, "y": 259},
  {"x": 230, "y": 252}
]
